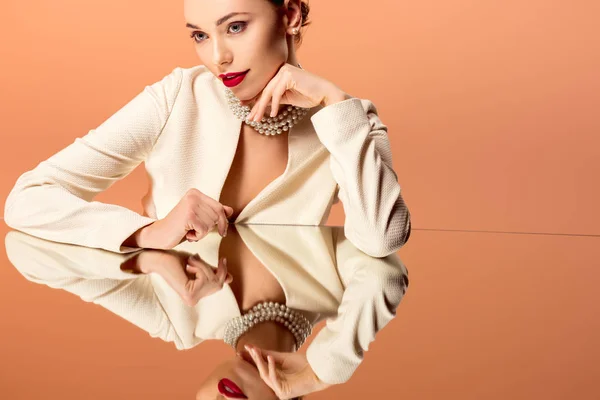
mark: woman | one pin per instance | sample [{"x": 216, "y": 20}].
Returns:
[{"x": 211, "y": 161}]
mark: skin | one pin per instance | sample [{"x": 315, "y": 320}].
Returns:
[
  {"x": 242, "y": 370},
  {"x": 261, "y": 41}
]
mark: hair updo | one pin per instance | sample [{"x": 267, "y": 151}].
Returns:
[{"x": 304, "y": 7}]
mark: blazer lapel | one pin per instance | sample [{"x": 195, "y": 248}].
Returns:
[
  {"x": 303, "y": 147},
  {"x": 220, "y": 136}
]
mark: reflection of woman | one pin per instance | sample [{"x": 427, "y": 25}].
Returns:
[
  {"x": 209, "y": 162},
  {"x": 312, "y": 270}
]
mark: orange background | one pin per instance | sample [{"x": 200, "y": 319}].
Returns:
[
  {"x": 491, "y": 107},
  {"x": 492, "y": 113}
]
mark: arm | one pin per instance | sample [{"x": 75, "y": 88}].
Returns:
[
  {"x": 54, "y": 201},
  {"x": 95, "y": 276},
  {"x": 374, "y": 288},
  {"x": 377, "y": 218}
]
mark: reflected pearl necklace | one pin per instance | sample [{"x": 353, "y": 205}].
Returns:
[{"x": 294, "y": 321}]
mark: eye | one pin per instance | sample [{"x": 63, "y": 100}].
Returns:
[
  {"x": 193, "y": 36},
  {"x": 240, "y": 24}
]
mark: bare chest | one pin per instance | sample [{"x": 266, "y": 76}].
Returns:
[
  {"x": 252, "y": 281},
  {"x": 259, "y": 159}
]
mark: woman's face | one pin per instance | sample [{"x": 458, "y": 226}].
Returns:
[
  {"x": 241, "y": 372},
  {"x": 254, "y": 40}
]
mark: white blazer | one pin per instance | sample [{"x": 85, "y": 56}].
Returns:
[{"x": 182, "y": 128}]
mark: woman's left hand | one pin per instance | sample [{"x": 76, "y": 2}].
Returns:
[{"x": 298, "y": 87}]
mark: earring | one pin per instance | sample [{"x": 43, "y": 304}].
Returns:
[{"x": 295, "y": 31}]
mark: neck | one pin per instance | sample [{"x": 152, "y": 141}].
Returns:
[{"x": 269, "y": 335}]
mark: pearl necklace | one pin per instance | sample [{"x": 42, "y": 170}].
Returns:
[
  {"x": 294, "y": 321},
  {"x": 268, "y": 125}
]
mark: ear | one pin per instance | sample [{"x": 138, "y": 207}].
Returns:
[{"x": 293, "y": 11}]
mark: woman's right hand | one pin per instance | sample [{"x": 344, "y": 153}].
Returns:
[
  {"x": 287, "y": 374},
  {"x": 191, "y": 219}
]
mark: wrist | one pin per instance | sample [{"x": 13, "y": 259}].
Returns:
[
  {"x": 143, "y": 236},
  {"x": 334, "y": 95},
  {"x": 318, "y": 384}
]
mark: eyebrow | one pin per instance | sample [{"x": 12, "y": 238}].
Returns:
[{"x": 219, "y": 21}]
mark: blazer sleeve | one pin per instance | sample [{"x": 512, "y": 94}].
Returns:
[
  {"x": 96, "y": 277},
  {"x": 54, "y": 201},
  {"x": 374, "y": 287},
  {"x": 377, "y": 218}
]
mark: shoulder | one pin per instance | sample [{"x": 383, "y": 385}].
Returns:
[
  {"x": 196, "y": 73},
  {"x": 184, "y": 77}
]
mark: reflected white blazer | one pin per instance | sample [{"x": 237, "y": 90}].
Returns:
[
  {"x": 182, "y": 128},
  {"x": 321, "y": 273}
]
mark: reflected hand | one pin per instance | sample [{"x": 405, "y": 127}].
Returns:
[
  {"x": 287, "y": 374},
  {"x": 187, "y": 274},
  {"x": 208, "y": 281}
]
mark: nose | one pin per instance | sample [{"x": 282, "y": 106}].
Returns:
[{"x": 221, "y": 53}]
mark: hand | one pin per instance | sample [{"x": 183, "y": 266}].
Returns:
[
  {"x": 191, "y": 219},
  {"x": 187, "y": 274},
  {"x": 207, "y": 280},
  {"x": 287, "y": 374},
  {"x": 294, "y": 86}
]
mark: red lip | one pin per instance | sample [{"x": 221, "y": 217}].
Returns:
[
  {"x": 236, "y": 80},
  {"x": 229, "y": 389},
  {"x": 232, "y": 74}
]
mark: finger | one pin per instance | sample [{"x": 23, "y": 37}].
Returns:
[
  {"x": 228, "y": 210},
  {"x": 221, "y": 272},
  {"x": 192, "y": 236},
  {"x": 278, "y": 357},
  {"x": 214, "y": 204},
  {"x": 196, "y": 271},
  {"x": 206, "y": 270},
  {"x": 197, "y": 227},
  {"x": 201, "y": 223},
  {"x": 266, "y": 98},
  {"x": 272, "y": 373},
  {"x": 229, "y": 278},
  {"x": 260, "y": 364},
  {"x": 218, "y": 216},
  {"x": 277, "y": 94},
  {"x": 193, "y": 270},
  {"x": 252, "y": 112},
  {"x": 207, "y": 214},
  {"x": 194, "y": 264}
]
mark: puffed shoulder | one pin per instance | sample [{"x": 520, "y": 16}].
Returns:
[
  {"x": 165, "y": 90},
  {"x": 195, "y": 74}
]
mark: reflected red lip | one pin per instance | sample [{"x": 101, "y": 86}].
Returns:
[{"x": 229, "y": 389}]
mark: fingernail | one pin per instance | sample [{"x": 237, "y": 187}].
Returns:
[
  {"x": 224, "y": 261},
  {"x": 247, "y": 347}
]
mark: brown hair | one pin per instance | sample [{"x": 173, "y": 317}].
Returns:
[{"x": 304, "y": 10}]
